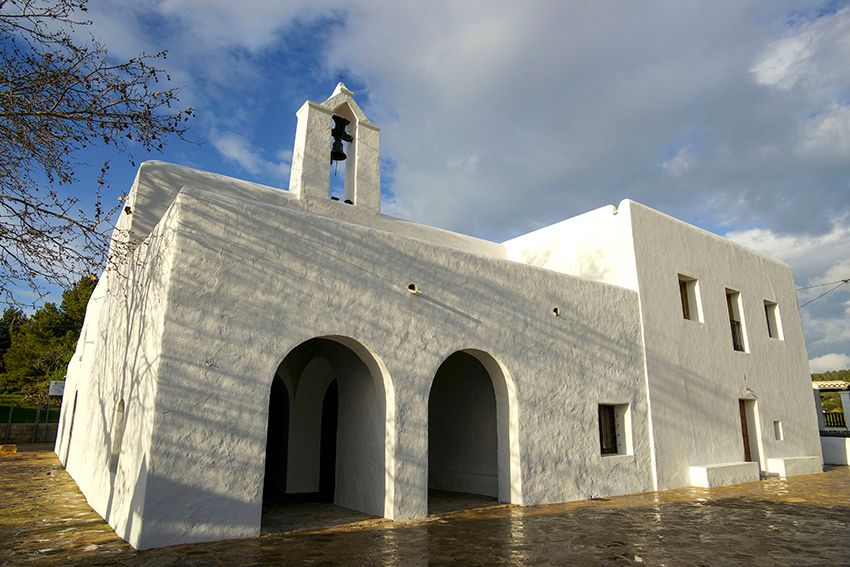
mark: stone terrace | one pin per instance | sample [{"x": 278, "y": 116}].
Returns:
[{"x": 44, "y": 520}]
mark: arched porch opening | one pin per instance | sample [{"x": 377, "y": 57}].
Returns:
[
  {"x": 473, "y": 452},
  {"x": 327, "y": 440}
]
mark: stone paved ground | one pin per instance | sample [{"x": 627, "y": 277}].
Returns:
[{"x": 44, "y": 520}]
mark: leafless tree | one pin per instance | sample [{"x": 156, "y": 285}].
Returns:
[{"x": 58, "y": 95}]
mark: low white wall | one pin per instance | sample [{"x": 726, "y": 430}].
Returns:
[
  {"x": 836, "y": 450},
  {"x": 793, "y": 466},
  {"x": 723, "y": 474}
]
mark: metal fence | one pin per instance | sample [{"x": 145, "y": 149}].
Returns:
[
  {"x": 28, "y": 425},
  {"x": 834, "y": 419}
]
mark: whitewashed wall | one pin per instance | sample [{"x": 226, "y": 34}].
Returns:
[
  {"x": 695, "y": 376},
  {"x": 252, "y": 278},
  {"x": 117, "y": 358},
  {"x": 235, "y": 276},
  {"x": 596, "y": 245}
]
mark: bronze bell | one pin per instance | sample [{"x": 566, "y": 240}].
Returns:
[
  {"x": 339, "y": 136},
  {"x": 336, "y": 151}
]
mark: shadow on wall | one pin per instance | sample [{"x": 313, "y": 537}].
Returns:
[
  {"x": 235, "y": 285},
  {"x": 269, "y": 267},
  {"x": 113, "y": 369}
]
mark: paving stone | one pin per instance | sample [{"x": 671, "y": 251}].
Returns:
[{"x": 44, "y": 520}]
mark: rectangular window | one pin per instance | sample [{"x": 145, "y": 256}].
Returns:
[
  {"x": 774, "y": 323},
  {"x": 615, "y": 429},
  {"x": 689, "y": 294},
  {"x": 777, "y": 431},
  {"x": 736, "y": 320}
]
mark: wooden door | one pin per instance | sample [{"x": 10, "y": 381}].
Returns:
[{"x": 742, "y": 405}]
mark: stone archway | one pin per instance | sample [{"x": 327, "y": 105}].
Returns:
[
  {"x": 338, "y": 431},
  {"x": 473, "y": 429}
]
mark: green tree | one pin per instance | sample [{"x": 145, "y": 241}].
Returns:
[
  {"x": 43, "y": 346},
  {"x": 832, "y": 375},
  {"x": 831, "y": 401},
  {"x": 10, "y": 323}
]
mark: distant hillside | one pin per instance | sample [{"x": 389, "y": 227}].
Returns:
[{"x": 832, "y": 375}]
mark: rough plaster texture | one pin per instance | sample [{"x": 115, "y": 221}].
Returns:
[
  {"x": 693, "y": 361},
  {"x": 227, "y": 279},
  {"x": 693, "y": 375}
]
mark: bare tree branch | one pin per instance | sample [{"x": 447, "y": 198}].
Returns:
[{"x": 58, "y": 96}]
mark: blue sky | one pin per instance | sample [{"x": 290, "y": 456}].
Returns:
[{"x": 502, "y": 117}]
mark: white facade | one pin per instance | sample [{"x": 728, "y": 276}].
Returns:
[{"x": 456, "y": 363}]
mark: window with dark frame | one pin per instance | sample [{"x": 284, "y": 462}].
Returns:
[
  {"x": 689, "y": 296},
  {"x": 686, "y": 304},
  {"x": 733, "y": 301},
  {"x": 608, "y": 429}
]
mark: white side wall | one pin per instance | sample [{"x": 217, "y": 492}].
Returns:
[
  {"x": 836, "y": 450},
  {"x": 117, "y": 358},
  {"x": 596, "y": 245},
  {"x": 695, "y": 376}
]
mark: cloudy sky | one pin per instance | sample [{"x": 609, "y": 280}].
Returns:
[{"x": 501, "y": 117}]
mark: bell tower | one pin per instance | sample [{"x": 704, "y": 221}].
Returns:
[{"x": 318, "y": 134}]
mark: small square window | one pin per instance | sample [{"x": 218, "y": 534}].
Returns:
[
  {"x": 774, "y": 323},
  {"x": 689, "y": 295},
  {"x": 615, "y": 433},
  {"x": 777, "y": 431}
]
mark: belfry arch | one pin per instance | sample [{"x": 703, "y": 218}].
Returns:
[
  {"x": 349, "y": 166},
  {"x": 330, "y": 428},
  {"x": 473, "y": 443},
  {"x": 310, "y": 175}
]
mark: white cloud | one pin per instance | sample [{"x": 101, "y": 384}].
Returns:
[
  {"x": 558, "y": 121},
  {"x": 827, "y": 362},
  {"x": 812, "y": 56},
  {"x": 827, "y": 134},
  {"x": 785, "y": 62},
  {"x": 815, "y": 260},
  {"x": 237, "y": 149},
  {"x": 679, "y": 163}
]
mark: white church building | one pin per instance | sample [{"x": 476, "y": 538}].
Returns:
[{"x": 255, "y": 343}]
